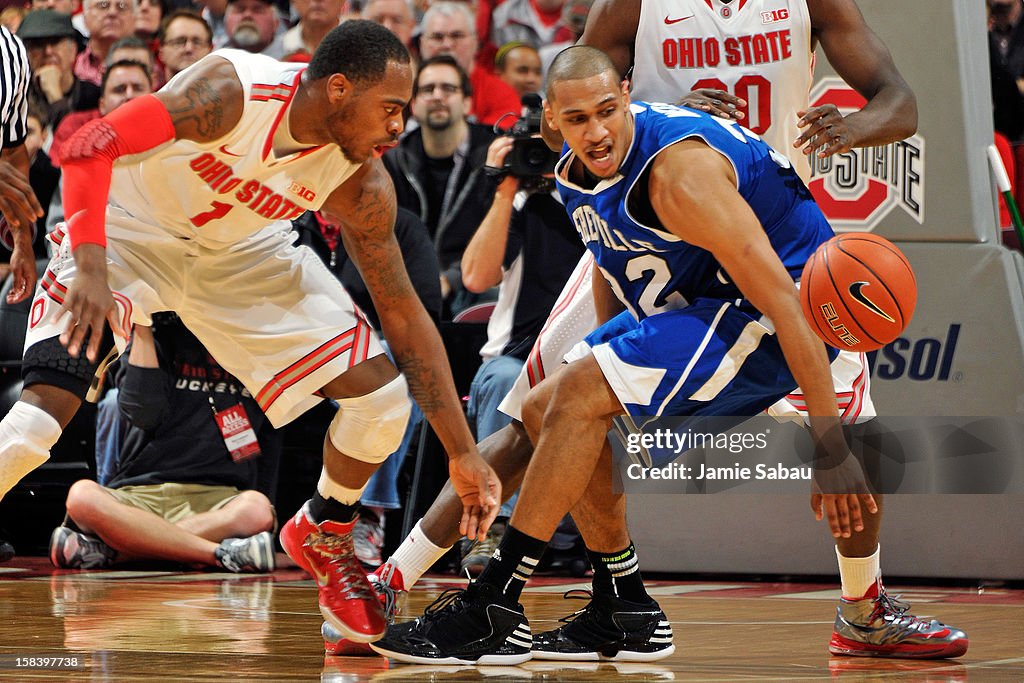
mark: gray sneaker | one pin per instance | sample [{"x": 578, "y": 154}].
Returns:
[
  {"x": 253, "y": 554},
  {"x": 476, "y": 554},
  {"x": 368, "y": 539},
  {"x": 878, "y": 625},
  {"x": 70, "y": 549}
]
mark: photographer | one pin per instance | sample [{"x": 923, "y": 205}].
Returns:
[{"x": 527, "y": 243}]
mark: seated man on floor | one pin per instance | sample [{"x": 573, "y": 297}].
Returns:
[{"x": 185, "y": 490}]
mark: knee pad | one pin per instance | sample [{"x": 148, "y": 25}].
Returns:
[
  {"x": 370, "y": 428},
  {"x": 27, "y": 434},
  {"x": 48, "y": 362}
]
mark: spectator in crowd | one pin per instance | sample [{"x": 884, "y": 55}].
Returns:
[
  {"x": 518, "y": 64},
  {"x": 316, "y": 19},
  {"x": 197, "y": 450},
  {"x": 130, "y": 49},
  {"x": 107, "y": 22},
  {"x": 438, "y": 168},
  {"x": 42, "y": 175},
  {"x": 447, "y": 28},
  {"x": 397, "y": 16},
  {"x": 534, "y": 22},
  {"x": 184, "y": 39},
  {"x": 323, "y": 236},
  {"x": 148, "y": 15},
  {"x": 1006, "y": 62},
  {"x": 527, "y": 243},
  {"x": 51, "y": 43},
  {"x": 253, "y": 26},
  {"x": 122, "y": 81}
]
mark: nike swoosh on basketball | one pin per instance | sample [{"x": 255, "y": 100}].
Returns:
[
  {"x": 863, "y": 300},
  {"x": 669, "y": 22}
]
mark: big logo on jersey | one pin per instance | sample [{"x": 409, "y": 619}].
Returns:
[{"x": 857, "y": 189}]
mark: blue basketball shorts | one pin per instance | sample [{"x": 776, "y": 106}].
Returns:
[{"x": 710, "y": 358}]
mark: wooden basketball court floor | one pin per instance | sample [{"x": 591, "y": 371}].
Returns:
[{"x": 202, "y": 626}]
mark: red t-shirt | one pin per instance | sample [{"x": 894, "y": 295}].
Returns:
[{"x": 493, "y": 98}]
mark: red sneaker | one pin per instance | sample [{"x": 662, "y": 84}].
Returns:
[
  {"x": 325, "y": 550},
  {"x": 390, "y": 588}
]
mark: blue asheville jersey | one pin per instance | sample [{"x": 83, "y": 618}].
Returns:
[{"x": 652, "y": 270}]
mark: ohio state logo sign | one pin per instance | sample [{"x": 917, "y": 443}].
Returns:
[{"x": 857, "y": 189}]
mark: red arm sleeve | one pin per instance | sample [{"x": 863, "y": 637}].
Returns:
[{"x": 88, "y": 159}]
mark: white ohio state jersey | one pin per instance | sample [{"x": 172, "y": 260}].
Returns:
[
  {"x": 221, "y": 192},
  {"x": 758, "y": 50}
]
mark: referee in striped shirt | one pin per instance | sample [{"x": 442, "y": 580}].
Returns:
[{"x": 18, "y": 202}]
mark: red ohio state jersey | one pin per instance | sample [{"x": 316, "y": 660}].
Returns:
[{"x": 758, "y": 50}]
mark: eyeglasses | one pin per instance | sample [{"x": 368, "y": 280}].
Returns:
[
  {"x": 106, "y": 5},
  {"x": 456, "y": 36},
  {"x": 178, "y": 43},
  {"x": 445, "y": 88}
]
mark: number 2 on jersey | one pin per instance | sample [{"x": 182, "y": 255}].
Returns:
[{"x": 756, "y": 90}]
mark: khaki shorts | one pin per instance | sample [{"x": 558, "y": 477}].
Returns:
[{"x": 175, "y": 502}]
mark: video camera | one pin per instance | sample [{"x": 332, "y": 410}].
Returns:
[{"x": 530, "y": 158}]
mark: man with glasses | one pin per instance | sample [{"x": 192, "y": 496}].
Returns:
[
  {"x": 184, "y": 39},
  {"x": 50, "y": 40},
  {"x": 438, "y": 169},
  {"x": 448, "y": 29},
  {"x": 107, "y": 22}
]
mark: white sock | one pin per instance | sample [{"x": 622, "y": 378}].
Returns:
[
  {"x": 27, "y": 434},
  {"x": 328, "y": 488},
  {"x": 858, "y": 574},
  {"x": 416, "y": 555}
]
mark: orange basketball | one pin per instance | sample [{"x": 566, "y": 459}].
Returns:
[{"x": 858, "y": 291}]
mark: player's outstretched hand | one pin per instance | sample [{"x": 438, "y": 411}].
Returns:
[
  {"x": 480, "y": 490},
  {"x": 714, "y": 102},
  {"x": 89, "y": 303},
  {"x": 825, "y": 131},
  {"x": 840, "y": 494}
]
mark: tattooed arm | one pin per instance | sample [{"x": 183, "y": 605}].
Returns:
[
  {"x": 366, "y": 206},
  {"x": 207, "y": 103}
]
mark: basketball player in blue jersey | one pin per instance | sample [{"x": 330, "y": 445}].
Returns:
[{"x": 699, "y": 230}]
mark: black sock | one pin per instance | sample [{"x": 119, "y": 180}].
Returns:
[
  {"x": 327, "y": 509},
  {"x": 618, "y": 574},
  {"x": 513, "y": 562}
]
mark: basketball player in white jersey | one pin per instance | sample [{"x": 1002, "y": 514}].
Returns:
[
  {"x": 208, "y": 173},
  {"x": 748, "y": 60}
]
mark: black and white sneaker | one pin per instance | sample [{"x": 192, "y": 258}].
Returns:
[
  {"x": 608, "y": 629},
  {"x": 475, "y": 625}
]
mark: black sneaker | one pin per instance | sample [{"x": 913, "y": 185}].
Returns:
[
  {"x": 608, "y": 629},
  {"x": 475, "y": 625}
]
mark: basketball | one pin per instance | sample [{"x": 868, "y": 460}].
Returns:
[{"x": 858, "y": 291}]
